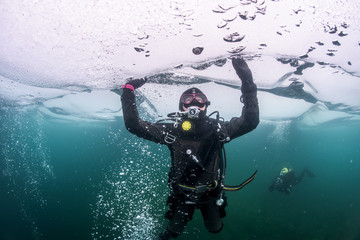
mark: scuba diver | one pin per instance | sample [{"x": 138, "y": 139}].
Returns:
[
  {"x": 196, "y": 143},
  {"x": 287, "y": 179},
  {"x": 294, "y": 90}
]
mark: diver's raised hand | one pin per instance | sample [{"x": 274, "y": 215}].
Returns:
[
  {"x": 135, "y": 83},
  {"x": 244, "y": 73},
  {"x": 242, "y": 69}
]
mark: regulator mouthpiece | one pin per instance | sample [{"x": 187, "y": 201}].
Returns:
[{"x": 193, "y": 112}]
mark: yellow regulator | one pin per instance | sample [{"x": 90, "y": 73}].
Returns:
[{"x": 186, "y": 125}]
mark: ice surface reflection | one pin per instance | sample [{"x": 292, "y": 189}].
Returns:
[{"x": 288, "y": 89}]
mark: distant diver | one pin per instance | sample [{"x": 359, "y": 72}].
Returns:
[
  {"x": 294, "y": 90},
  {"x": 287, "y": 179},
  {"x": 196, "y": 143}
]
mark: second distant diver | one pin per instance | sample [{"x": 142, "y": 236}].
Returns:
[{"x": 287, "y": 179}]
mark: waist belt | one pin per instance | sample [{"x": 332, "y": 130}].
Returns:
[
  {"x": 199, "y": 188},
  {"x": 204, "y": 188}
]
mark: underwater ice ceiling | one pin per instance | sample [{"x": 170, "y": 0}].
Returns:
[
  {"x": 96, "y": 43},
  {"x": 65, "y": 54}
]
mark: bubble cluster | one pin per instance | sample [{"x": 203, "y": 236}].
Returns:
[
  {"x": 131, "y": 198},
  {"x": 25, "y": 162}
]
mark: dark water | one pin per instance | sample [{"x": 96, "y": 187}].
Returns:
[{"x": 93, "y": 180}]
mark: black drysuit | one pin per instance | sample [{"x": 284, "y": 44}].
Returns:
[{"x": 196, "y": 155}]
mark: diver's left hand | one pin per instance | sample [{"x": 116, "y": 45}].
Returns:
[
  {"x": 241, "y": 68},
  {"x": 244, "y": 73}
]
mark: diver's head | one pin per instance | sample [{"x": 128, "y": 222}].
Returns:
[
  {"x": 284, "y": 171},
  {"x": 193, "y": 97},
  {"x": 297, "y": 85}
]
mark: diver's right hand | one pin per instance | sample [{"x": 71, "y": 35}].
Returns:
[{"x": 136, "y": 83}]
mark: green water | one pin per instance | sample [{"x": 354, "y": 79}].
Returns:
[{"x": 94, "y": 180}]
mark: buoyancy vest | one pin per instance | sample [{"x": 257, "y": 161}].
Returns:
[
  {"x": 198, "y": 158},
  {"x": 196, "y": 153}
]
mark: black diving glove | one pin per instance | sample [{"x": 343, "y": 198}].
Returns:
[
  {"x": 245, "y": 75},
  {"x": 135, "y": 83}
]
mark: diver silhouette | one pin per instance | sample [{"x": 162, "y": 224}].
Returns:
[
  {"x": 287, "y": 179},
  {"x": 294, "y": 90},
  {"x": 196, "y": 143}
]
